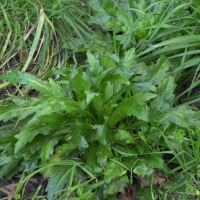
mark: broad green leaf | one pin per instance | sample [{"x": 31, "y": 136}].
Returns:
[
  {"x": 91, "y": 155},
  {"x": 77, "y": 139},
  {"x": 29, "y": 80},
  {"x": 103, "y": 152},
  {"x": 129, "y": 58},
  {"x": 48, "y": 149},
  {"x": 141, "y": 98},
  {"x": 90, "y": 95},
  {"x": 28, "y": 134},
  {"x": 158, "y": 71},
  {"x": 101, "y": 133},
  {"x": 87, "y": 131},
  {"x": 127, "y": 106},
  {"x": 108, "y": 91},
  {"x": 117, "y": 78},
  {"x": 56, "y": 120},
  {"x": 8, "y": 167},
  {"x": 12, "y": 110},
  {"x": 94, "y": 64},
  {"x": 145, "y": 87},
  {"x": 55, "y": 175},
  {"x": 65, "y": 149},
  {"x": 153, "y": 161},
  {"x": 165, "y": 94},
  {"x": 56, "y": 90},
  {"x": 52, "y": 105},
  {"x": 118, "y": 185},
  {"x": 190, "y": 116},
  {"x": 107, "y": 61},
  {"x": 125, "y": 136},
  {"x": 113, "y": 170},
  {"x": 143, "y": 170},
  {"x": 102, "y": 75},
  {"x": 97, "y": 102},
  {"x": 77, "y": 82}
]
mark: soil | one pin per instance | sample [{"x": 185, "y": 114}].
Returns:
[{"x": 7, "y": 188}]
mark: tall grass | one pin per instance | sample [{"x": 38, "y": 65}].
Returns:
[{"x": 41, "y": 33}]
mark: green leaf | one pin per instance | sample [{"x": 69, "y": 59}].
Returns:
[
  {"x": 29, "y": 80},
  {"x": 117, "y": 78},
  {"x": 48, "y": 150},
  {"x": 55, "y": 175},
  {"x": 124, "y": 135},
  {"x": 12, "y": 110},
  {"x": 77, "y": 82},
  {"x": 118, "y": 185},
  {"x": 129, "y": 58},
  {"x": 56, "y": 120},
  {"x": 91, "y": 155},
  {"x": 78, "y": 140},
  {"x": 103, "y": 152},
  {"x": 65, "y": 149},
  {"x": 101, "y": 133},
  {"x": 88, "y": 132},
  {"x": 94, "y": 64},
  {"x": 108, "y": 91},
  {"x": 107, "y": 61},
  {"x": 8, "y": 167},
  {"x": 141, "y": 98},
  {"x": 159, "y": 71},
  {"x": 165, "y": 94},
  {"x": 53, "y": 104},
  {"x": 127, "y": 106},
  {"x": 28, "y": 134},
  {"x": 56, "y": 90},
  {"x": 143, "y": 170},
  {"x": 153, "y": 161},
  {"x": 113, "y": 170},
  {"x": 90, "y": 96}
]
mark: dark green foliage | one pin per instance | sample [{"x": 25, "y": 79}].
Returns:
[{"x": 107, "y": 116}]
